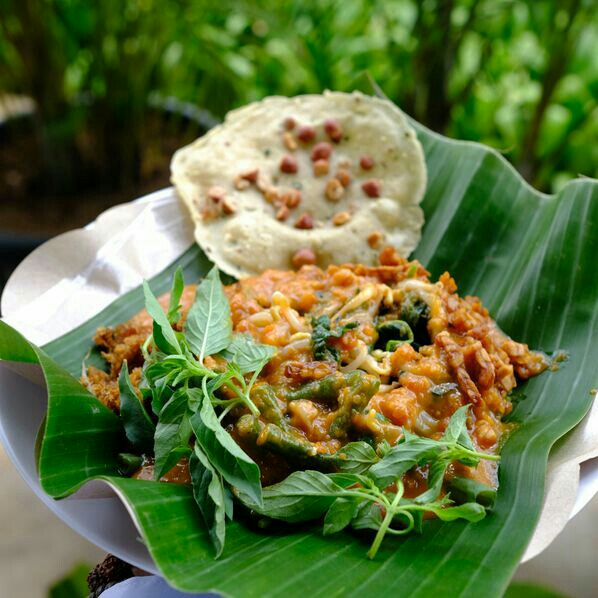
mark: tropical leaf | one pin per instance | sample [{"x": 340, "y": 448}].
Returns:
[{"x": 531, "y": 257}]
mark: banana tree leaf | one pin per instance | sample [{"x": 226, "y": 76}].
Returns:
[{"x": 532, "y": 259}]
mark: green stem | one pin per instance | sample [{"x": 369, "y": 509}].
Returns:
[
  {"x": 145, "y": 346},
  {"x": 200, "y": 370},
  {"x": 246, "y": 400},
  {"x": 370, "y": 496},
  {"x": 390, "y": 513},
  {"x": 231, "y": 405},
  {"x": 402, "y": 532}
]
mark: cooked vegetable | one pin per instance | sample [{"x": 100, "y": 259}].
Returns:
[
  {"x": 464, "y": 490},
  {"x": 322, "y": 334},
  {"x": 393, "y": 333},
  {"x": 415, "y": 312}
]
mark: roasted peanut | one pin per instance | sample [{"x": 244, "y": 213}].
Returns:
[
  {"x": 227, "y": 208},
  {"x": 271, "y": 195},
  {"x": 288, "y": 164},
  {"x": 321, "y": 151},
  {"x": 344, "y": 176},
  {"x": 372, "y": 188},
  {"x": 306, "y": 133},
  {"x": 303, "y": 257},
  {"x": 374, "y": 239},
  {"x": 250, "y": 175},
  {"x": 366, "y": 162},
  {"x": 289, "y": 141},
  {"x": 305, "y": 221},
  {"x": 241, "y": 183},
  {"x": 289, "y": 123},
  {"x": 334, "y": 190},
  {"x": 333, "y": 129},
  {"x": 216, "y": 194},
  {"x": 282, "y": 213},
  {"x": 341, "y": 218},
  {"x": 321, "y": 167},
  {"x": 292, "y": 198}
]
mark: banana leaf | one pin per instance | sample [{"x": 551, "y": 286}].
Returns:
[{"x": 530, "y": 257}]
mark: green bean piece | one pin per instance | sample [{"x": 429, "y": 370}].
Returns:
[
  {"x": 248, "y": 427},
  {"x": 324, "y": 391},
  {"x": 351, "y": 392},
  {"x": 265, "y": 400},
  {"x": 274, "y": 438},
  {"x": 327, "y": 389},
  {"x": 350, "y": 399},
  {"x": 285, "y": 442}
]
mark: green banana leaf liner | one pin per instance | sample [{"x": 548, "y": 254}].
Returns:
[{"x": 532, "y": 258}]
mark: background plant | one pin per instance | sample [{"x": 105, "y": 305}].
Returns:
[{"x": 519, "y": 75}]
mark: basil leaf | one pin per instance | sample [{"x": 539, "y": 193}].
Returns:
[
  {"x": 435, "y": 479},
  {"x": 248, "y": 355},
  {"x": 368, "y": 516},
  {"x": 416, "y": 312},
  {"x": 176, "y": 292},
  {"x": 464, "y": 490},
  {"x": 322, "y": 333},
  {"x": 166, "y": 365},
  {"x": 340, "y": 514},
  {"x": 302, "y": 496},
  {"x": 228, "y": 502},
  {"x": 465, "y": 441},
  {"x": 225, "y": 455},
  {"x": 209, "y": 327},
  {"x": 209, "y": 494},
  {"x": 173, "y": 432},
  {"x": 470, "y": 511},
  {"x": 413, "y": 450},
  {"x": 164, "y": 336},
  {"x": 355, "y": 457},
  {"x": 457, "y": 425},
  {"x": 346, "y": 479},
  {"x": 139, "y": 428},
  {"x": 161, "y": 394}
]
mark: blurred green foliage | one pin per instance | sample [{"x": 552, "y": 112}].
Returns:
[
  {"x": 521, "y": 76},
  {"x": 73, "y": 584}
]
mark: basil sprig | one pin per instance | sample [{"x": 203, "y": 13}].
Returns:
[
  {"x": 184, "y": 391},
  {"x": 368, "y": 492}
]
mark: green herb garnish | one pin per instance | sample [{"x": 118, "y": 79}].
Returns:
[
  {"x": 321, "y": 335},
  {"x": 416, "y": 313},
  {"x": 362, "y": 494},
  {"x": 185, "y": 392}
]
